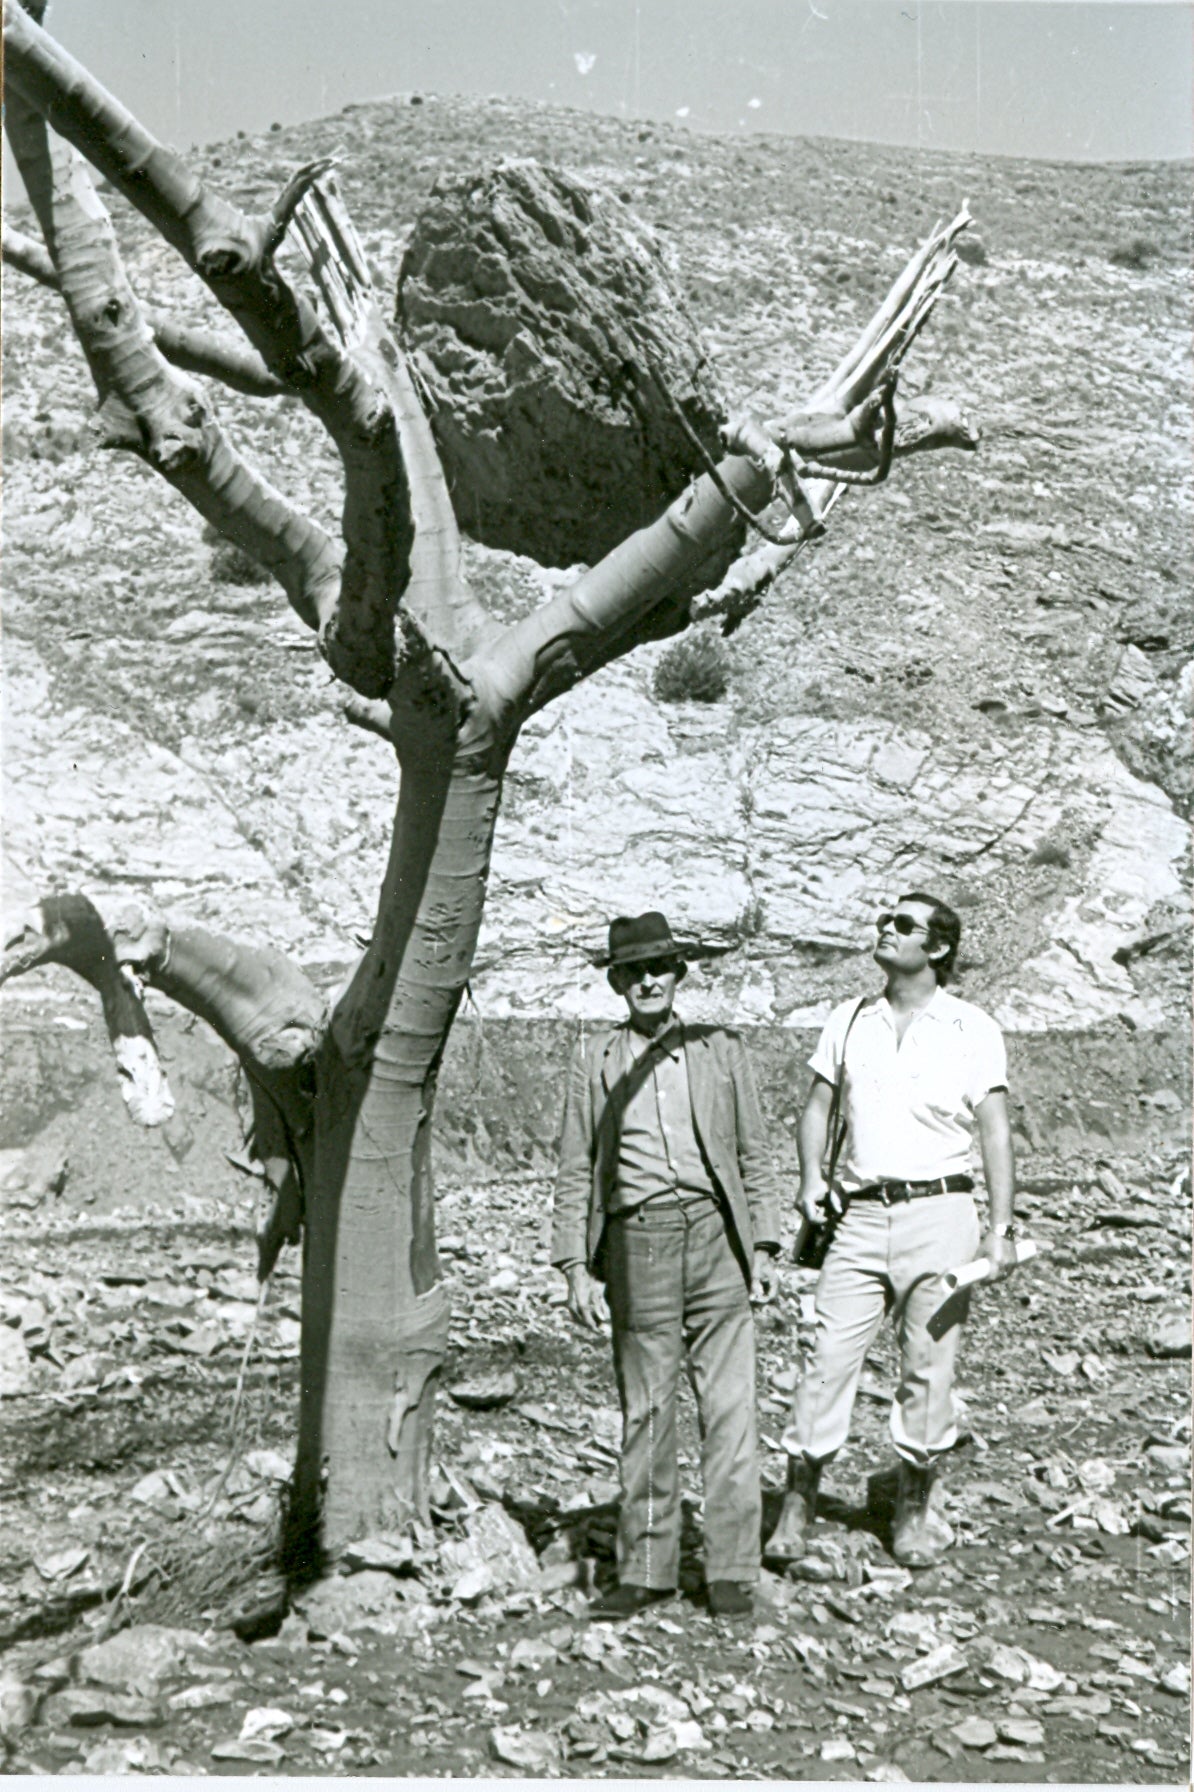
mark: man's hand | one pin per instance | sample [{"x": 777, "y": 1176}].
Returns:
[
  {"x": 762, "y": 1280},
  {"x": 1000, "y": 1253},
  {"x": 814, "y": 1199},
  {"x": 586, "y": 1298}
]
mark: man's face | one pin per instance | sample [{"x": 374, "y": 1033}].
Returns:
[
  {"x": 903, "y": 943},
  {"x": 649, "y": 989}
]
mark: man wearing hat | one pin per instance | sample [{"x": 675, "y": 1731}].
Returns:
[{"x": 666, "y": 1194}]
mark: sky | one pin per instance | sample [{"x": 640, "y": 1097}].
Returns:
[{"x": 1062, "y": 79}]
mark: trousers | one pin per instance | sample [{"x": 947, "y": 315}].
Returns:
[
  {"x": 678, "y": 1297},
  {"x": 888, "y": 1260}
]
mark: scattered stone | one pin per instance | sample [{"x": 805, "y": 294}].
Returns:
[
  {"x": 975, "y": 1732},
  {"x": 1090, "y": 1704},
  {"x": 473, "y": 1584},
  {"x": 141, "y": 1659},
  {"x": 838, "y": 1748},
  {"x": 659, "y": 1745},
  {"x": 269, "y": 1465},
  {"x": 81, "y": 1372},
  {"x": 368, "y": 1600},
  {"x": 388, "y": 1552},
  {"x": 1173, "y": 1458},
  {"x": 1176, "y": 1680},
  {"x": 18, "y": 1705},
  {"x": 16, "y": 1369},
  {"x": 62, "y": 1564},
  {"x": 814, "y": 1568},
  {"x": 205, "y": 1694},
  {"x": 886, "y": 1773},
  {"x": 152, "y": 1489},
  {"x": 496, "y": 1542},
  {"x": 134, "y": 1754},
  {"x": 267, "y": 1721},
  {"x": 939, "y": 1665},
  {"x": 82, "y": 1707},
  {"x": 258, "y": 1749},
  {"x": 1024, "y": 1731},
  {"x": 534, "y": 1751},
  {"x": 1170, "y": 1337},
  {"x": 1095, "y": 1475},
  {"x": 558, "y": 1575},
  {"x": 484, "y": 1392},
  {"x": 1018, "y": 1666}
]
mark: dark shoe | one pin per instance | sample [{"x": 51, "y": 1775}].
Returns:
[
  {"x": 787, "y": 1541},
  {"x": 920, "y": 1534},
  {"x": 627, "y": 1601},
  {"x": 730, "y": 1599}
]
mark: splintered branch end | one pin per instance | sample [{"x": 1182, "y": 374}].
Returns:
[
  {"x": 281, "y": 213},
  {"x": 326, "y": 236}
]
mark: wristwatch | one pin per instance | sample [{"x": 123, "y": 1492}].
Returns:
[{"x": 1005, "y": 1229}]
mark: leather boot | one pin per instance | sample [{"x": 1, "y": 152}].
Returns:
[
  {"x": 920, "y": 1534},
  {"x": 787, "y": 1541}
]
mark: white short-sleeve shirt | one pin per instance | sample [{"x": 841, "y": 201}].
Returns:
[{"x": 909, "y": 1108}]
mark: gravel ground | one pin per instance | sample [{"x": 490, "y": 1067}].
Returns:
[{"x": 1054, "y": 1637}]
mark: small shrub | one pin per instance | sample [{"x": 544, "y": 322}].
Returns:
[
  {"x": 230, "y": 565},
  {"x": 1136, "y": 253},
  {"x": 1051, "y": 852},
  {"x": 753, "y": 919},
  {"x": 695, "y": 670},
  {"x": 972, "y": 250}
]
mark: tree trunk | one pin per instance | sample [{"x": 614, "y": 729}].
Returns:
[{"x": 375, "y": 1310}]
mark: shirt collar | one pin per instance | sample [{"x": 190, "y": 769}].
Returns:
[
  {"x": 935, "y": 1008},
  {"x": 671, "y": 1040}
]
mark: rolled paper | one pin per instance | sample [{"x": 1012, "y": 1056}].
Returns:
[{"x": 981, "y": 1270}]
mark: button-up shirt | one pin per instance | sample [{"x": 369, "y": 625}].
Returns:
[
  {"x": 909, "y": 1105},
  {"x": 658, "y": 1151}
]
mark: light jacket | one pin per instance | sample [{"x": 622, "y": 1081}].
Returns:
[{"x": 729, "y": 1127}]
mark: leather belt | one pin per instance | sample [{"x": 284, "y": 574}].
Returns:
[{"x": 890, "y": 1193}]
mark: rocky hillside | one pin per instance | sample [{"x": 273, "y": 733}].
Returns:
[{"x": 979, "y": 682}]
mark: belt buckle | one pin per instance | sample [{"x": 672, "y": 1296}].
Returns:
[{"x": 903, "y": 1195}]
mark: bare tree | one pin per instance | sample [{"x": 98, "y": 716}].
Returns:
[{"x": 343, "y": 1100}]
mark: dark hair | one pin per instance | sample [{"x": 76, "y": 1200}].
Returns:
[{"x": 944, "y": 929}]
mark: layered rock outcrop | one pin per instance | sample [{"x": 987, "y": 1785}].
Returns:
[{"x": 980, "y": 680}]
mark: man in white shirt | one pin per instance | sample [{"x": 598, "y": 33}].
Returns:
[{"x": 920, "y": 1072}]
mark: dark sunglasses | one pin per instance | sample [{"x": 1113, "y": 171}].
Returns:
[
  {"x": 649, "y": 967},
  {"x": 903, "y": 924}
]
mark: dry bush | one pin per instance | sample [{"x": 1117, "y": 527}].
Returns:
[
  {"x": 695, "y": 670},
  {"x": 1136, "y": 253}
]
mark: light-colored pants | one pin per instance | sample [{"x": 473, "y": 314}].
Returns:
[
  {"x": 888, "y": 1260},
  {"x": 677, "y": 1291}
]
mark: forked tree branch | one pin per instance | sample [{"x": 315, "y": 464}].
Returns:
[
  {"x": 145, "y": 406},
  {"x": 193, "y": 350},
  {"x": 813, "y": 433},
  {"x": 652, "y": 583},
  {"x": 231, "y": 252}
]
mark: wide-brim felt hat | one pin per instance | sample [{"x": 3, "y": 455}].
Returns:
[{"x": 634, "y": 938}]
